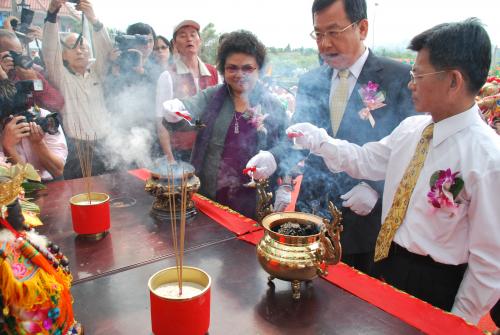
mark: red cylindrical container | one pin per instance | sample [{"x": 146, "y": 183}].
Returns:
[
  {"x": 90, "y": 218},
  {"x": 180, "y": 316}
]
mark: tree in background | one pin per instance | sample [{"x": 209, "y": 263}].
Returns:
[{"x": 210, "y": 42}]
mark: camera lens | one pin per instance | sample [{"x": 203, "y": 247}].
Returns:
[
  {"x": 13, "y": 23},
  {"x": 49, "y": 124}
]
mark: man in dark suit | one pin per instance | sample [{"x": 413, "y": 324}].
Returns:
[{"x": 329, "y": 98}]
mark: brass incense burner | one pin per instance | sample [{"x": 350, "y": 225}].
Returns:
[
  {"x": 297, "y": 258},
  {"x": 166, "y": 179}
]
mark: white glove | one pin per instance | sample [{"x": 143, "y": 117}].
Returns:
[
  {"x": 311, "y": 138},
  {"x": 171, "y": 107},
  {"x": 264, "y": 163},
  {"x": 360, "y": 199},
  {"x": 283, "y": 198}
]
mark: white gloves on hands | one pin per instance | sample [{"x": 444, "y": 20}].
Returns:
[
  {"x": 311, "y": 138},
  {"x": 360, "y": 199},
  {"x": 283, "y": 198},
  {"x": 265, "y": 164},
  {"x": 171, "y": 107}
]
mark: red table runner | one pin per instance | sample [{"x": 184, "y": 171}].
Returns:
[{"x": 413, "y": 311}]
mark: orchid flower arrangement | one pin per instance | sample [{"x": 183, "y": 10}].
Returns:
[
  {"x": 372, "y": 99},
  {"x": 445, "y": 188}
]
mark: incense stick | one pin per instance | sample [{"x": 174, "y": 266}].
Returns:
[
  {"x": 178, "y": 241},
  {"x": 183, "y": 219},
  {"x": 173, "y": 219},
  {"x": 85, "y": 151}
]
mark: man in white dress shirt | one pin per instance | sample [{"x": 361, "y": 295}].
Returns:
[{"x": 440, "y": 238}]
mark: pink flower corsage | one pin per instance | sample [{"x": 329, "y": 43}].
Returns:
[
  {"x": 256, "y": 118},
  {"x": 372, "y": 99},
  {"x": 445, "y": 188}
]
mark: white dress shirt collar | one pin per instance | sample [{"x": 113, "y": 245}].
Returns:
[
  {"x": 452, "y": 125},
  {"x": 355, "y": 69}
]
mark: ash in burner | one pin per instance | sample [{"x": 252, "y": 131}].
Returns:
[
  {"x": 162, "y": 168},
  {"x": 296, "y": 229}
]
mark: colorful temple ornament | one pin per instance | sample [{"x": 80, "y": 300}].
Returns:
[
  {"x": 35, "y": 280},
  {"x": 488, "y": 100}
]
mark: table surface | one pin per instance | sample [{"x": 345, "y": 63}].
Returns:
[
  {"x": 134, "y": 238},
  {"x": 110, "y": 288},
  {"x": 242, "y": 302}
]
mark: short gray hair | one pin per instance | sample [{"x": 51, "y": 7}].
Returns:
[{"x": 4, "y": 33}]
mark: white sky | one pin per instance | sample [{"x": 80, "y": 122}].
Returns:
[{"x": 281, "y": 22}]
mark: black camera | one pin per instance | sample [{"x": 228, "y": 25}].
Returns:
[
  {"x": 130, "y": 58},
  {"x": 21, "y": 103},
  {"x": 23, "y": 28},
  {"x": 125, "y": 42},
  {"x": 76, "y": 2},
  {"x": 21, "y": 60}
]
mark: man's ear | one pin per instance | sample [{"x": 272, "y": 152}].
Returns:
[
  {"x": 363, "y": 29},
  {"x": 457, "y": 80}
]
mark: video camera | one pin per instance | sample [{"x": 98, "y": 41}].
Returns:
[
  {"x": 129, "y": 59},
  {"x": 23, "y": 28},
  {"x": 21, "y": 103}
]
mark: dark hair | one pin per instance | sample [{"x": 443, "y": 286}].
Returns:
[
  {"x": 140, "y": 28},
  {"x": 166, "y": 41},
  {"x": 464, "y": 46},
  {"x": 355, "y": 9},
  {"x": 240, "y": 41}
]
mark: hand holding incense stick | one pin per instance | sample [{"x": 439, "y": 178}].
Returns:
[
  {"x": 293, "y": 135},
  {"x": 249, "y": 171},
  {"x": 187, "y": 118}
]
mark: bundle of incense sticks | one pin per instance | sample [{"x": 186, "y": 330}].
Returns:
[
  {"x": 178, "y": 242},
  {"x": 85, "y": 152}
]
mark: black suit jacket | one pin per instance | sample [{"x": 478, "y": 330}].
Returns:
[{"x": 319, "y": 185}]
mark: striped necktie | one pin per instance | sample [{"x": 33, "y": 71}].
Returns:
[
  {"x": 339, "y": 100},
  {"x": 397, "y": 212}
]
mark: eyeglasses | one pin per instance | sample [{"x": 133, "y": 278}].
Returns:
[
  {"x": 331, "y": 34},
  {"x": 77, "y": 45},
  {"x": 246, "y": 69},
  {"x": 414, "y": 77},
  {"x": 163, "y": 47}
]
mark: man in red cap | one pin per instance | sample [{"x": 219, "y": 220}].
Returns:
[{"x": 189, "y": 76}]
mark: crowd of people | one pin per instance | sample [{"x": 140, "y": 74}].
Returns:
[{"x": 403, "y": 152}]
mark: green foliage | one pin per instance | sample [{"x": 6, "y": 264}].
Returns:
[
  {"x": 287, "y": 65},
  {"x": 210, "y": 42}
]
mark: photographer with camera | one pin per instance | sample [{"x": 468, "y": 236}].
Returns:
[
  {"x": 29, "y": 136},
  {"x": 68, "y": 66},
  {"x": 130, "y": 93},
  {"x": 20, "y": 67}
]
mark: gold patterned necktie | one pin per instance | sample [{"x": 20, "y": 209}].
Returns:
[
  {"x": 339, "y": 100},
  {"x": 397, "y": 212}
]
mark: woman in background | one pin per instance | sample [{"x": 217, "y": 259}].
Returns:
[{"x": 161, "y": 53}]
